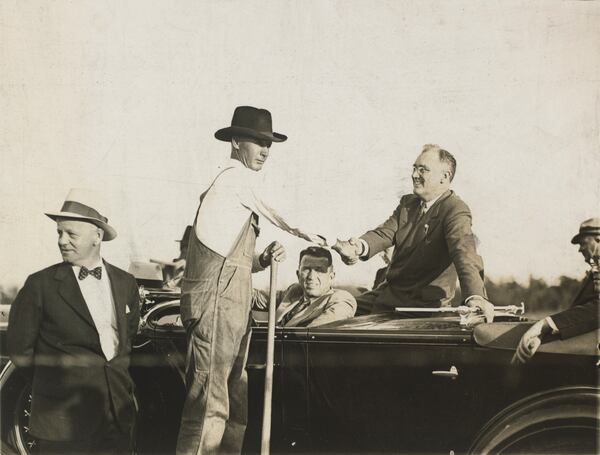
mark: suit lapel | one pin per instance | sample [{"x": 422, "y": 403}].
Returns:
[
  {"x": 307, "y": 313},
  {"x": 288, "y": 301},
  {"x": 406, "y": 222},
  {"x": 71, "y": 293},
  {"x": 119, "y": 292},
  {"x": 430, "y": 219},
  {"x": 417, "y": 229}
]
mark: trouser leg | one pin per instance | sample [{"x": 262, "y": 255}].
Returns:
[
  {"x": 195, "y": 425},
  {"x": 215, "y": 375},
  {"x": 233, "y": 437}
]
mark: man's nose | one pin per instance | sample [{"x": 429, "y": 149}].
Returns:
[
  {"x": 62, "y": 239},
  {"x": 415, "y": 173},
  {"x": 264, "y": 151}
]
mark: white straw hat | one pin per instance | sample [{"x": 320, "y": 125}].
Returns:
[{"x": 86, "y": 205}]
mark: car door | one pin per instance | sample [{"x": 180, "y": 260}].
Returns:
[
  {"x": 410, "y": 386},
  {"x": 379, "y": 388}
]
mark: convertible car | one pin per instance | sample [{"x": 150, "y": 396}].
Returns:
[{"x": 369, "y": 384}]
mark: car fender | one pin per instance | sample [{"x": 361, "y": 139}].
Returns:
[{"x": 563, "y": 417}]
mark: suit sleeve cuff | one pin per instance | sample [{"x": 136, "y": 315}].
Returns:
[
  {"x": 552, "y": 325},
  {"x": 365, "y": 249},
  {"x": 471, "y": 297}
]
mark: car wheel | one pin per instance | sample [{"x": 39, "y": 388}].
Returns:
[
  {"x": 559, "y": 421},
  {"x": 18, "y": 435}
]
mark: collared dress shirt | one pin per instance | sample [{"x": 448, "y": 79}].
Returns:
[
  {"x": 98, "y": 298},
  {"x": 226, "y": 207}
]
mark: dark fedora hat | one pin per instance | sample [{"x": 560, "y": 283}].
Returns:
[
  {"x": 588, "y": 227},
  {"x": 252, "y": 122}
]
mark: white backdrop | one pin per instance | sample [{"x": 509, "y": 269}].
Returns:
[{"x": 125, "y": 96}]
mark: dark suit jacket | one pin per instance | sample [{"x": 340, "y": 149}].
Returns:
[
  {"x": 421, "y": 271},
  {"x": 52, "y": 336},
  {"x": 582, "y": 317}
]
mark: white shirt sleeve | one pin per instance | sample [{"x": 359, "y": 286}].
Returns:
[{"x": 253, "y": 197}]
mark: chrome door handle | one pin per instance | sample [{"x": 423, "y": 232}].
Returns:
[{"x": 452, "y": 373}]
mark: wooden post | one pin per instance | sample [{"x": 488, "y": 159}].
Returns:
[{"x": 266, "y": 423}]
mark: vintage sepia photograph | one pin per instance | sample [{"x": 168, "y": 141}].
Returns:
[{"x": 299, "y": 227}]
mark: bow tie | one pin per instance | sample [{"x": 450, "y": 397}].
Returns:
[{"x": 96, "y": 273}]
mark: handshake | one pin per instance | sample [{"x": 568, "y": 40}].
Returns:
[{"x": 349, "y": 250}]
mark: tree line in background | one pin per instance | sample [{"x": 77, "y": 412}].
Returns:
[
  {"x": 540, "y": 298},
  {"x": 8, "y": 294}
]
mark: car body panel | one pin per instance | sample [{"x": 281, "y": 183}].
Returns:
[{"x": 376, "y": 383}]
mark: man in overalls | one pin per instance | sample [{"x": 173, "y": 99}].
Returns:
[{"x": 217, "y": 288}]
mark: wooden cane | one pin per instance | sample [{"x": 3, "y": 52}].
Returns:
[{"x": 266, "y": 423}]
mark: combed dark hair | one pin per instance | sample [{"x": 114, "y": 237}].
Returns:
[
  {"x": 444, "y": 156},
  {"x": 318, "y": 252}
]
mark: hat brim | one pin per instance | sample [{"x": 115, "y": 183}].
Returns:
[
  {"x": 593, "y": 232},
  {"x": 225, "y": 134},
  {"x": 109, "y": 232}
]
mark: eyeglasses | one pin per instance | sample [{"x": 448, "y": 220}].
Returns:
[{"x": 422, "y": 170}]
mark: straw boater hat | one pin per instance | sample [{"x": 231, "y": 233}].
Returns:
[
  {"x": 252, "y": 122},
  {"x": 588, "y": 227},
  {"x": 85, "y": 205}
]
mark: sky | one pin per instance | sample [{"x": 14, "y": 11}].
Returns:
[{"x": 124, "y": 97}]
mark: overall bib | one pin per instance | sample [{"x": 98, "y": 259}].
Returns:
[{"x": 215, "y": 309}]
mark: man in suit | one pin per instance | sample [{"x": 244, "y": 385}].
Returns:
[
  {"x": 582, "y": 316},
  {"x": 71, "y": 328},
  {"x": 312, "y": 301},
  {"x": 433, "y": 242}
]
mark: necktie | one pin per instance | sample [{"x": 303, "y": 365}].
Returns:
[
  {"x": 421, "y": 211},
  {"x": 294, "y": 311},
  {"x": 84, "y": 272}
]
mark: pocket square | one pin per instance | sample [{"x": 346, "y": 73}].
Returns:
[{"x": 127, "y": 310}]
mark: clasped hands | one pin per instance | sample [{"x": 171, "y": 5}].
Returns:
[{"x": 349, "y": 250}]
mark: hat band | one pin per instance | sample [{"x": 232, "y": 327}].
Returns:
[
  {"x": 589, "y": 230},
  {"x": 82, "y": 209}
]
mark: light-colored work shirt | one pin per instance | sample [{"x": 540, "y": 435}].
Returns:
[
  {"x": 227, "y": 205},
  {"x": 98, "y": 298}
]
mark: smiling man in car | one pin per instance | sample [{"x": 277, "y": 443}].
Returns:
[
  {"x": 312, "y": 301},
  {"x": 430, "y": 231}
]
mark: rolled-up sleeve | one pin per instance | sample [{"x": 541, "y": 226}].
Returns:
[{"x": 253, "y": 196}]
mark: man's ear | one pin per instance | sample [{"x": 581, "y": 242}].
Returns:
[
  {"x": 235, "y": 143},
  {"x": 332, "y": 275},
  {"x": 100, "y": 234},
  {"x": 298, "y": 274}
]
